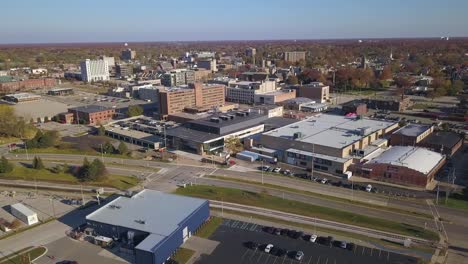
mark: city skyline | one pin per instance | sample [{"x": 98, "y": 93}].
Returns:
[{"x": 110, "y": 21}]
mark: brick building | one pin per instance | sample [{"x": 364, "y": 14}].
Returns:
[
  {"x": 445, "y": 142},
  {"x": 198, "y": 95},
  {"x": 354, "y": 107},
  {"x": 274, "y": 97},
  {"x": 24, "y": 85},
  {"x": 316, "y": 91},
  {"x": 391, "y": 104},
  {"x": 403, "y": 165},
  {"x": 410, "y": 135},
  {"x": 89, "y": 114}
]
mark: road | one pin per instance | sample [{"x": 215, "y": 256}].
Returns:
[{"x": 172, "y": 174}]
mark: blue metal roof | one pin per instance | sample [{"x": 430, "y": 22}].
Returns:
[{"x": 156, "y": 213}]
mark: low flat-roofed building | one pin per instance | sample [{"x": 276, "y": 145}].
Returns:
[
  {"x": 207, "y": 135},
  {"x": 314, "y": 108},
  {"x": 354, "y": 107},
  {"x": 316, "y": 91},
  {"x": 445, "y": 142},
  {"x": 410, "y": 135},
  {"x": 92, "y": 114},
  {"x": 388, "y": 103},
  {"x": 60, "y": 91},
  {"x": 331, "y": 136},
  {"x": 155, "y": 223},
  {"x": 405, "y": 165},
  {"x": 134, "y": 137},
  {"x": 274, "y": 97},
  {"x": 296, "y": 103},
  {"x": 22, "y": 97}
]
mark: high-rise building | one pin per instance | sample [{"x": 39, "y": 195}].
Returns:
[
  {"x": 110, "y": 61},
  {"x": 124, "y": 70},
  {"x": 294, "y": 56},
  {"x": 251, "y": 52},
  {"x": 94, "y": 70},
  {"x": 128, "y": 54},
  {"x": 178, "y": 77},
  {"x": 209, "y": 64},
  {"x": 197, "y": 95},
  {"x": 244, "y": 91}
]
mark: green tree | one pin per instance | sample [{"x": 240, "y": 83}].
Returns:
[
  {"x": 123, "y": 149},
  {"x": 5, "y": 165},
  {"x": 46, "y": 119},
  {"x": 10, "y": 124},
  {"x": 43, "y": 139},
  {"x": 101, "y": 130},
  {"x": 108, "y": 148},
  {"x": 134, "y": 110},
  {"x": 37, "y": 164},
  {"x": 94, "y": 171}
]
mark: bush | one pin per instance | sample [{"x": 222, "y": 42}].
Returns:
[
  {"x": 108, "y": 148},
  {"x": 94, "y": 171},
  {"x": 123, "y": 149},
  {"x": 5, "y": 165},
  {"x": 43, "y": 140},
  {"x": 38, "y": 164},
  {"x": 134, "y": 110}
]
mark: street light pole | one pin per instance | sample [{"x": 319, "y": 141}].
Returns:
[{"x": 262, "y": 171}]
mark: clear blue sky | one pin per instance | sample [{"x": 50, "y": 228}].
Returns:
[{"x": 39, "y": 21}]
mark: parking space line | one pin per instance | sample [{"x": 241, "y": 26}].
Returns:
[
  {"x": 380, "y": 251},
  {"x": 244, "y": 225},
  {"x": 363, "y": 248},
  {"x": 253, "y": 227},
  {"x": 259, "y": 257},
  {"x": 253, "y": 254},
  {"x": 371, "y": 252},
  {"x": 268, "y": 257},
  {"x": 245, "y": 253},
  {"x": 318, "y": 259},
  {"x": 326, "y": 262},
  {"x": 355, "y": 248},
  {"x": 234, "y": 224},
  {"x": 284, "y": 259}
]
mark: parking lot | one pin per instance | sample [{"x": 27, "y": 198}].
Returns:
[
  {"x": 46, "y": 206},
  {"x": 232, "y": 236}
]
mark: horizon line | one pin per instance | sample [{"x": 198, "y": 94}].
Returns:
[{"x": 232, "y": 40}]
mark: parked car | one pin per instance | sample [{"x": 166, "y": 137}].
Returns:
[
  {"x": 313, "y": 238},
  {"x": 277, "y": 231},
  {"x": 324, "y": 181},
  {"x": 299, "y": 255},
  {"x": 269, "y": 229},
  {"x": 297, "y": 234},
  {"x": 284, "y": 232},
  {"x": 368, "y": 188},
  {"x": 280, "y": 252},
  {"x": 251, "y": 245},
  {"x": 268, "y": 248},
  {"x": 277, "y": 170},
  {"x": 286, "y": 172},
  {"x": 343, "y": 244},
  {"x": 350, "y": 246}
]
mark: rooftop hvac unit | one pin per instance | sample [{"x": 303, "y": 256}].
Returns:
[{"x": 297, "y": 135}]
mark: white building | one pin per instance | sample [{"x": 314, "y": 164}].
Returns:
[
  {"x": 244, "y": 91},
  {"x": 94, "y": 70},
  {"x": 24, "y": 214},
  {"x": 110, "y": 61}
]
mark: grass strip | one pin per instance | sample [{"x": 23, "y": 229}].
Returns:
[
  {"x": 265, "y": 200},
  {"x": 209, "y": 227},
  {"x": 323, "y": 196},
  {"x": 183, "y": 255}
]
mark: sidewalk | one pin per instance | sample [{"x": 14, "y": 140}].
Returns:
[{"x": 200, "y": 246}]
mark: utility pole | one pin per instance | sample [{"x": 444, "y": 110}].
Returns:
[
  {"x": 262, "y": 171},
  {"x": 437, "y": 198},
  {"x": 313, "y": 153},
  {"x": 82, "y": 195},
  {"x": 102, "y": 153}
]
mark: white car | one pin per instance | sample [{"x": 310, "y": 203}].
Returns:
[
  {"x": 369, "y": 188},
  {"x": 324, "y": 181},
  {"x": 313, "y": 238},
  {"x": 299, "y": 255},
  {"x": 277, "y": 170},
  {"x": 268, "y": 248}
]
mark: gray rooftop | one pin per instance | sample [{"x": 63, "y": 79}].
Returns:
[
  {"x": 23, "y": 209},
  {"x": 90, "y": 108},
  {"x": 154, "y": 212},
  {"x": 330, "y": 130},
  {"x": 418, "y": 159},
  {"x": 412, "y": 130}
]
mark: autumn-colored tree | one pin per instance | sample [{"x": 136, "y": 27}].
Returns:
[
  {"x": 386, "y": 73},
  {"x": 292, "y": 80}
]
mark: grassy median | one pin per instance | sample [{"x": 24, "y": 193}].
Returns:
[
  {"x": 183, "y": 255},
  {"x": 24, "y": 256},
  {"x": 29, "y": 174},
  {"x": 322, "y": 196},
  {"x": 265, "y": 200}
]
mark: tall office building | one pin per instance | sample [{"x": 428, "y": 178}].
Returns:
[
  {"x": 294, "y": 56},
  {"x": 94, "y": 70},
  {"x": 128, "y": 54},
  {"x": 209, "y": 64},
  {"x": 178, "y": 77},
  {"x": 251, "y": 52}
]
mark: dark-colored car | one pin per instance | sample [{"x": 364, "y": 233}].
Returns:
[
  {"x": 350, "y": 246},
  {"x": 291, "y": 233},
  {"x": 277, "y": 231},
  {"x": 284, "y": 232},
  {"x": 251, "y": 245},
  {"x": 269, "y": 229},
  {"x": 298, "y": 234},
  {"x": 280, "y": 252}
]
